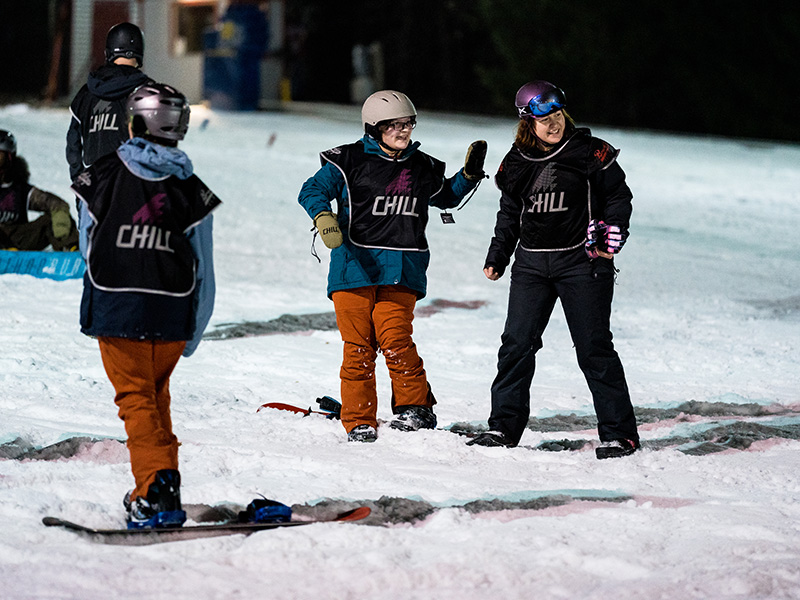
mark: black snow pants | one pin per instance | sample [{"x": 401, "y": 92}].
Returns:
[{"x": 585, "y": 289}]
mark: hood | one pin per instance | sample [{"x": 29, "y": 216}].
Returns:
[
  {"x": 111, "y": 82},
  {"x": 149, "y": 160}
]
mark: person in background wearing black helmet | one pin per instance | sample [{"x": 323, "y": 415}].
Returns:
[
  {"x": 564, "y": 215},
  {"x": 99, "y": 123},
  {"x": 17, "y": 196},
  {"x": 148, "y": 291},
  {"x": 383, "y": 185}
]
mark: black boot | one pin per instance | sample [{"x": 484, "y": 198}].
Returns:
[
  {"x": 617, "y": 448},
  {"x": 161, "y": 507}
]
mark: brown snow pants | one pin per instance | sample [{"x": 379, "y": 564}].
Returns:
[
  {"x": 140, "y": 370},
  {"x": 370, "y": 319}
]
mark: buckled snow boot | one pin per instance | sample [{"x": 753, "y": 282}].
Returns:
[{"x": 162, "y": 505}]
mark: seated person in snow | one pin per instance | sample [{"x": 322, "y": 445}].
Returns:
[{"x": 17, "y": 196}]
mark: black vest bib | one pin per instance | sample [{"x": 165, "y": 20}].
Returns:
[
  {"x": 388, "y": 199},
  {"x": 555, "y": 191},
  {"x": 139, "y": 243},
  {"x": 14, "y": 204}
]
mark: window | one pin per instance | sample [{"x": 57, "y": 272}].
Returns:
[{"x": 191, "y": 19}]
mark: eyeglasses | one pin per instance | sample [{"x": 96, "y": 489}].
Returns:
[
  {"x": 542, "y": 105},
  {"x": 401, "y": 125}
]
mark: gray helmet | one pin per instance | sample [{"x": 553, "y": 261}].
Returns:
[
  {"x": 159, "y": 110},
  {"x": 7, "y": 142},
  {"x": 126, "y": 40},
  {"x": 385, "y": 106}
]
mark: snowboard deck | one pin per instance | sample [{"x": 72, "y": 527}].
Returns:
[
  {"x": 43, "y": 264},
  {"x": 296, "y": 409},
  {"x": 144, "y": 537}
]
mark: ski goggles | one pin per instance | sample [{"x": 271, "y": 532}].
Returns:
[
  {"x": 400, "y": 125},
  {"x": 543, "y": 104}
]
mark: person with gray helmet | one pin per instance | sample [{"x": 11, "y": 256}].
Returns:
[
  {"x": 99, "y": 124},
  {"x": 148, "y": 292},
  {"x": 564, "y": 214},
  {"x": 54, "y": 227},
  {"x": 383, "y": 184}
]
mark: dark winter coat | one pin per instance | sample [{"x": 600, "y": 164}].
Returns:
[
  {"x": 146, "y": 237},
  {"x": 18, "y": 196},
  {"x": 99, "y": 123},
  {"x": 548, "y": 199}
]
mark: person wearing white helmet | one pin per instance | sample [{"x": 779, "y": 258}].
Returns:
[
  {"x": 383, "y": 185},
  {"x": 564, "y": 214}
]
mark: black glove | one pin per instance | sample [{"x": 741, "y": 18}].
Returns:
[{"x": 473, "y": 165}]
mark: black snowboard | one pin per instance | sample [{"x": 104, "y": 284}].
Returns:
[{"x": 143, "y": 537}]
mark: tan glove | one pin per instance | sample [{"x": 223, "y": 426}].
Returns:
[
  {"x": 328, "y": 228},
  {"x": 61, "y": 223}
]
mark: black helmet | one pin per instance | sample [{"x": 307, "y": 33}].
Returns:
[
  {"x": 158, "y": 110},
  {"x": 7, "y": 142},
  {"x": 125, "y": 39}
]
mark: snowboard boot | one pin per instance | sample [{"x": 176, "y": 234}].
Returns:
[
  {"x": 413, "y": 418},
  {"x": 491, "y": 439},
  {"x": 616, "y": 448},
  {"x": 162, "y": 505},
  {"x": 362, "y": 433}
]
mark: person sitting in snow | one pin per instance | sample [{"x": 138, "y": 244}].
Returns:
[
  {"x": 146, "y": 234},
  {"x": 383, "y": 184},
  {"x": 17, "y": 196}
]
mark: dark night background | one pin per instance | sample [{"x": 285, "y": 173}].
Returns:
[{"x": 710, "y": 67}]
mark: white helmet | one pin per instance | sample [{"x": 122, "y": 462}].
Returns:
[{"x": 385, "y": 106}]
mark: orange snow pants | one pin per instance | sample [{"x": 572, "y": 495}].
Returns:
[
  {"x": 140, "y": 370},
  {"x": 371, "y": 319}
]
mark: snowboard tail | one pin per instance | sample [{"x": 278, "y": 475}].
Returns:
[{"x": 144, "y": 537}]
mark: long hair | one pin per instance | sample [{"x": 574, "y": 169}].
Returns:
[{"x": 526, "y": 139}]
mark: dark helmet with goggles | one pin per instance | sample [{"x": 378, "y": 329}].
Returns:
[{"x": 539, "y": 99}]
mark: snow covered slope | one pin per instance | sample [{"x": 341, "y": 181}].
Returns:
[{"x": 707, "y": 309}]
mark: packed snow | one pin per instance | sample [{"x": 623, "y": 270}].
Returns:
[{"x": 707, "y": 309}]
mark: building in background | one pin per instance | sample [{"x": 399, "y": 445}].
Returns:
[{"x": 71, "y": 42}]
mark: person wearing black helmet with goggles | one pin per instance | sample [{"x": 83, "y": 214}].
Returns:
[
  {"x": 148, "y": 292},
  {"x": 99, "y": 124},
  {"x": 564, "y": 214},
  {"x": 17, "y": 196}
]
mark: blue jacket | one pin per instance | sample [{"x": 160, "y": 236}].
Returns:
[
  {"x": 353, "y": 266},
  {"x": 152, "y": 316}
]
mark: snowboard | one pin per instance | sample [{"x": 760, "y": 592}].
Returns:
[
  {"x": 43, "y": 264},
  {"x": 144, "y": 537},
  {"x": 330, "y": 408}
]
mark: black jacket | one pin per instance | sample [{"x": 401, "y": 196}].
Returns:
[
  {"x": 99, "y": 123},
  {"x": 548, "y": 198}
]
